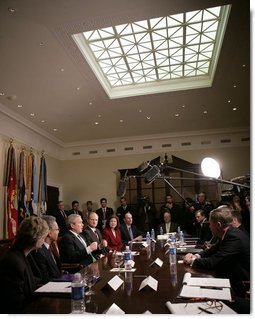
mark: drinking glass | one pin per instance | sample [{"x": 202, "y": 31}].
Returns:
[
  {"x": 90, "y": 280},
  {"x": 118, "y": 258}
]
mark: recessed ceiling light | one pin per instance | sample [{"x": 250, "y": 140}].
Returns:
[
  {"x": 32, "y": 114},
  {"x": 90, "y": 103},
  {"x": 229, "y": 101},
  {"x": 234, "y": 86},
  {"x": 78, "y": 88},
  {"x": 42, "y": 121},
  {"x": 140, "y": 111},
  {"x": 205, "y": 112},
  {"x": 41, "y": 44},
  {"x": 121, "y": 121},
  {"x": 176, "y": 114},
  {"x": 55, "y": 129},
  {"x": 12, "y": 10},
  {"x": 19, "y": 105},
  {"x": 62, "y": 70},
  {"x": 96, "y": 123},
  {"x": 183, "y": 106},
  {"x": 99, "y": 115},
  {"x": 148, "y": 117},
  {"x": 1, "y": 93},
  {"x": 244, "y": 65},
  {"x": 234, "y": 108}
]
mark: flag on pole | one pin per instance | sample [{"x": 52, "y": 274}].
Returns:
[
  {"x": 42, "y": 190},
  {"x": 22, "y": 186},
  {"x": 10, "y": 193},
  {"x": 31, "y": 185}
]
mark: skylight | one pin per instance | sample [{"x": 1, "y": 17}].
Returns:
[{"x": 170, "y": 53}]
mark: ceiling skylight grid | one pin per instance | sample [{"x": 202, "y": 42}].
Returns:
[{"x": 159, "y": 50}]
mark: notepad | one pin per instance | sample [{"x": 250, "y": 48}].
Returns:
[
  {"x": 196, "y": 308},
  {"x": 55, "y": 287},
  {"x": 205, "y": 281}
]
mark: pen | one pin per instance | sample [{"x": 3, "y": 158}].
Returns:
[
  {"x": 208, "y": 287},
  {"x": 205, "y": 310}
]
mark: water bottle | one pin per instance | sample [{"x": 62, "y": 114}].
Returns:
[
  {"x": 148, "y": 238},
  {"x": 152, "y": 234},
  {"x": 77, "y": 295},
  {"x": 172, "y": 250},
  {"x": 181, "y": 238},
  {"x": 127, "y": 258},
  {"x": 178, "y": 232},
  {"x": 161, "y": 230}
]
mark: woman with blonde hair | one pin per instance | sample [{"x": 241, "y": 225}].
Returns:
[{"x": 16, "y": 275}]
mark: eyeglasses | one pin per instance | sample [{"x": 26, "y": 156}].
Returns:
[{"x": 212, "y": 306}]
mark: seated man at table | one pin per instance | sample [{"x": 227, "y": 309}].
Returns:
[
  {"x": 73, "y": 247},
  {"x": 48, "y": 262},
  {"x": 202, "y": 227},
  {"x": 129, "y": 232},
  {"x": 230, "y": 257},
  {"x": 168, "y": 226},
  {"x": 92, "y": 234}
]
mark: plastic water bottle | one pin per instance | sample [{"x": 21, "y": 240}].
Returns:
[
  {"x": 161, "y": 230},
  {"x": 181, "y": 238},
  {"x": 77, "y": 295},
  {"x": 152, "y": 234},
  {"x": 127, "y": 258},
  {"x": 148, "y": 238},
  {"x": 172, "y": 250}
]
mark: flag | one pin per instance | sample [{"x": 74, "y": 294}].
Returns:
[
  {"x": 42, "y": 190},
  {"x": 31, "y": 185},
  {"x": 11, "y": 212}
]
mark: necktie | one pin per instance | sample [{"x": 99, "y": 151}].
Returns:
[
  {"x": 96, "y": 233},
  {"x": 52, "y": 255},
  {"x": 82, "y": 240},
  {"x": 130, "y": 233},
  {"x": 63, "y": 214},
  {"x": 104, "y": 213}
]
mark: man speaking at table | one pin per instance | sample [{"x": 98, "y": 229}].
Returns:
[{"x": 230, "y": 257}]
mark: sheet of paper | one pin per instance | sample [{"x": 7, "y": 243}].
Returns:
[
  {"x": 162, "y": 237},
  {"x": 114, "y": 310},
  {"x": 149, "y": 281},
  {"x": 59, "y": 287},
  {"x": 144, "y": 244},
  {"x": 115, "y": 282},
  {"x": 197, "y": 292},
  {"x": 133, "y": 253},
  {"x": 193, "y": 308},
  {"x": 205, "y": 281},
  {"x": 123, "y": 270}
]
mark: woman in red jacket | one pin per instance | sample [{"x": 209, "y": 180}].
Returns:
[{"x": 112, "y": 233}]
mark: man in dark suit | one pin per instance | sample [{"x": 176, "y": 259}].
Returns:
[
  {"x": 203, "y": 204},
  {"x": 73, "y": 247},
  {"x": 230, "y": 257},
  {"x": 61, "y": 216},
  {"x": 75, "y": 209},
  {"x": 103, "y": 213},
  {"x": 168, "y": 226},
  {"x": 145, "y": 215},
  {"x": 123, "y": 208},
  {"x": 202, "y": 227},
  {"x": 47, "y": 261},
  {"x": 92, "y": 234},
  {"x": 129, "y": 232}
]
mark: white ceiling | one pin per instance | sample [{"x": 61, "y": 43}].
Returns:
[{"x": 42, "y": 69}]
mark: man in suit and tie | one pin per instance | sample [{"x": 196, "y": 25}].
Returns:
[
  {"x": 123, "y": 208},
  {"x": 48, "y": 262},
  {"x": 73, "y": 247},
  {"x": 129, "y": 232},
  {"x": 168, "y": 226},
  {"x": 61, "y": 215},
  {"x": 92, "y": 234},
  {"x": 103, "y": 213},
  {"x": 75, "y": 208}
]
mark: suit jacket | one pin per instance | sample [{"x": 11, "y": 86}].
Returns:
[
  {"x": 121, "y": 211},
  {"x": 114, "y": 243},
  {"x": 203, "y": 232},
  {"x": 73, "y": 251},
  {"x": 230, "y": 257},
  {"x": 17, "y": 281},
  {"x": 125, "y": 237},
  {"x": 173, "y": 227},
  {"x": 90, "y": 236},
  {"x": 72, "y": 211},
  {"x": 49, "y": 268},
  {"x": 61, "y": 221},
  {"x": 99, "y": 211}
]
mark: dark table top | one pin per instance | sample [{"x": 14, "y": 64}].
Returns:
[{"x": 127, "y": 296}]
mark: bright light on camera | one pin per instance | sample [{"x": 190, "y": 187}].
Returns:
[{"x": 210, "y": 167}]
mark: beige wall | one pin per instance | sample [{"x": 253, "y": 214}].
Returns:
[{"x": 91, "y": 179}]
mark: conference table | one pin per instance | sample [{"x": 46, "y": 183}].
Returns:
[{"x": 127, "y": 296}]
